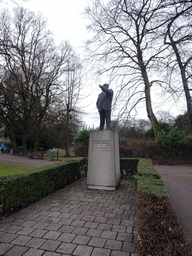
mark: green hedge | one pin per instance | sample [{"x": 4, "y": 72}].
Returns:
[
  {"x": 146, "y": 177},
  {"x": 145, "y": 168},
  {"x": 20, "y": 190},
  {"x": 148, "y": 180}
]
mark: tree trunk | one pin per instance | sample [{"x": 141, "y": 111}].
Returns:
[
  {"x": 183, "y": 77},
  {"x": 37, "y": 135},
  {"x": 36, "y": 143},
  {"x": 149, "y": 109},
  {"x": 13, "y": 139},
  {"x": 67, "y": 133},
  {"x": 187, "y": 95},
  {"x": 150, "y": 113},
  {"x": 24, "y": 143}
]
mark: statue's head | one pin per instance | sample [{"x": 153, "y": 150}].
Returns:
[{"x": 106, "y": 85}]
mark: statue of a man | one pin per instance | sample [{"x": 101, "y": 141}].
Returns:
[{"x": 104, "y": 106}]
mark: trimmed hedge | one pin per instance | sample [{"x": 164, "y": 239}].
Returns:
[
  {"x": 145, "y": 168},
  {"x": 148, "y": 180},
  {"x": 20, "y": 190}
]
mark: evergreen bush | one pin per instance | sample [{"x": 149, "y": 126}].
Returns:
[
  {"x": 174, "y": 139},
  {"x": 82, "y": 137}
]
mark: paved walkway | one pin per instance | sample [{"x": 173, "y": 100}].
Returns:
[
  {"x": 12, "y": 159},
  {"x": 178, "y": 182},
  {"x": 74, "y": 221}
]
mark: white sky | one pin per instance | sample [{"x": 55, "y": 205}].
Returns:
[{"x": 66, "y": 20}]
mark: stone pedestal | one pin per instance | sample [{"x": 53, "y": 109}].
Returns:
[{"x": 103, "y": 160}]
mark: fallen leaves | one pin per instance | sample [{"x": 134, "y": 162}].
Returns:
[{"x": 159, "y": 229}]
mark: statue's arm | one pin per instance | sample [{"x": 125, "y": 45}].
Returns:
[{"x": 106, "y": 90}]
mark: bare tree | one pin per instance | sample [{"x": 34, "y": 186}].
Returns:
[
  {"x": 165, "y": 117},
  {"x": 72, "y": 84},
  {"x": 179, "y": 37},
  {"x": 126, "y": 45},
  {"x": 32, "y": 66}
]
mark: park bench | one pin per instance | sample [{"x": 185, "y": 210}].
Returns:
[{"x": 37, "y": 155}]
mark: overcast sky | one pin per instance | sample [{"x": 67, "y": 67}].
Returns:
[{"x": 65, "y": 18}]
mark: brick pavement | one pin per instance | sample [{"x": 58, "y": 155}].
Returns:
[{"x": 74, "y": 221}]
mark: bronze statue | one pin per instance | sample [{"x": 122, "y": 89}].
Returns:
[{"x": 104, "y": 106}]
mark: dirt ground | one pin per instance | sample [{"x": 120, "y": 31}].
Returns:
[{"x": 178, "y": 182}]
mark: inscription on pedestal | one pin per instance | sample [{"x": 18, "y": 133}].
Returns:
[
  {"x": 103, "y": 160},
  {"x": 101, "y": 145}
]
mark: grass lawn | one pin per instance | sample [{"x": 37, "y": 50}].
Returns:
[{"x": 12, "y": 169}]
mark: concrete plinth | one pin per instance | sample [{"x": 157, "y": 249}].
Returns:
[{"x": 103, "y": 160}]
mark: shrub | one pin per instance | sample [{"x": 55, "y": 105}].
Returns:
[
  {"x": 174, "y": 139},
  {"x": 188, "y": 139},
  {"x": 82, "y": 137},
  {"x": 145, "y": 168},
  {"x": 148, "y": 180}
]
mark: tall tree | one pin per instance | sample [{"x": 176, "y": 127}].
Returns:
[
  {"x": 32, "y": 66},
  {"x": 72, "y": 84},
  {"x": 126, "y": 45},
  {"x": 179, "y": 37}
]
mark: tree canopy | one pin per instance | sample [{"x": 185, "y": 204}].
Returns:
[
  {"x": 128, "y": 44},
  {"x": 32, "y": 74}
]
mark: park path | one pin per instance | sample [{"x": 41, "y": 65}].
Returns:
[
  {"x": 178, "y": 182},
  {"x": 74, "y": 221},
  {"x": 12, "y": 159}
]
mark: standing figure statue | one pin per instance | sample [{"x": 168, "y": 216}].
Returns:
[{"x": 104, "y": 106}]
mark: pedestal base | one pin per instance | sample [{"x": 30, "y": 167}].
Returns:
[{"x": 103, "y": 160}]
